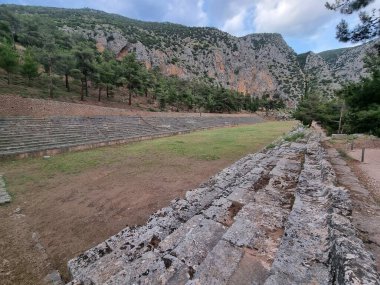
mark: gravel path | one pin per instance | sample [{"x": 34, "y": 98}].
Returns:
[{"x": 371, "y": 165}]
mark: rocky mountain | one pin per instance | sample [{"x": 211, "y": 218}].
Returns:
[
  {"x": 255, "y": 64},
  {"x": 330, "y": 70}
]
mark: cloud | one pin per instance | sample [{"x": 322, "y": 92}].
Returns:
[
  {"x": 236, "y": 24},
  {"x": 291, "y": 17},
  {"x": 306, "y": 23},
  {"x": 186, "y": 12}
]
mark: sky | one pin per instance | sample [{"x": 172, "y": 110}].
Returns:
[{"x": 305, "y": 24}]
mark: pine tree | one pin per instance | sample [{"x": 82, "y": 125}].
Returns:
[
  {"x": 369, "y": 28},
  {"x": 8, "y": 59},
  {"x": 29, "y": 67}
]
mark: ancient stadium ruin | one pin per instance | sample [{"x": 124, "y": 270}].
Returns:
[{"x": 274, "y": 217}]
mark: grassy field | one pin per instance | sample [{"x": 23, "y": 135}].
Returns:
[
  {"x": 75, "y": 200},
  {"x": 226, "y": 144}
]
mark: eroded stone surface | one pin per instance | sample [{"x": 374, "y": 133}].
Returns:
[
  {"x": 275, "y": 217},
  {"x": 4, "y": 196}
]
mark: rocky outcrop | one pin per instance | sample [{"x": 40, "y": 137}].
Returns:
[
  {"x": 256, "y": 64},
  {"x": 318, "y": 76},
  {"x": 274, "y": 217},
  {"x": 328, "y": 71}
]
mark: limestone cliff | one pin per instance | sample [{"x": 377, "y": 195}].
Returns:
[
  {"x": 328, "y": 71},
  {"x": 255, "y": 64}
]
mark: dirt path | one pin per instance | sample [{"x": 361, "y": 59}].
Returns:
[
  {"x": 362, "y": 182},
  {"x": 55, "y": 222},
  {"x": 370, "y": 167},
  {"x": 13, "y": 105},
  {"x": 365, "y": 196}
]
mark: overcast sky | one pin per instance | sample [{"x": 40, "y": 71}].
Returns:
[{"x": 305, "y": 24}]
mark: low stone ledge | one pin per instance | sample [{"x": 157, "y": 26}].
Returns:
[{"x": 4, "y": 196}]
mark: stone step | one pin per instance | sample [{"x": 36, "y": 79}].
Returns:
[
  {"x": 319, "y": 234},
  {"x": 20, "y": 131},
  {"x": 22, "y": 135},
  {"x": 67, "y": 144},
  {"x": 177, "y": 257},
  {"x": 246, "y": 251},
  {"x": 129, "y": 246},
  {"x": 169, "y": 218},
  {"x": 67, "y": 138},
  {"x": 94, "y": 136},
  {"x": 79, "y": 130}
]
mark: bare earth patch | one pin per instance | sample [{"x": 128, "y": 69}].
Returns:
[
  {"x": 69, "y": 203},
  {"x": 14, "y": 105},
  {"x": 75, "y": 212},
  {"x": 370, "y": 167},
  {"x": 363, "y": 181}
]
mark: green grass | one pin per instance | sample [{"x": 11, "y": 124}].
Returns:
[
  {"x": 294, "y": 137},
  {"x": 228, "y": 144},
  {"x": 222, "y": 143}
]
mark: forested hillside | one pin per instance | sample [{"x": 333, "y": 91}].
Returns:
[{"x": 189, "y": 68}]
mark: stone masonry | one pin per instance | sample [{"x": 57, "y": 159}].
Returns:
[
  {"x": 274, "y": 217},
  {"x": 25, "y": 136},
  {"x": 4, "y": 196}
]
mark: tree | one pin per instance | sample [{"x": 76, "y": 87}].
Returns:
[
  {"x": 84, "y": 56},
  {"x": 5, "y": 32},
  {"x": 10, "y": 24},
  {"x": 65, "y": 64},
  {"x": 308, "y": 109},
  {"x": 359, "y": 102},
  {"x": 130, "y": 76},
  {"x": 29, "y": 67},
  {"x": 369, "y": 28},
  {"x": 161, "y": 93},
  {"x": 47, "y": 56},
  {"x": 8, "y": 59},
  {"x": 363, "y": 102},
  {"x": 108, "y": 72},
  {"x": 147, "y": 81}
]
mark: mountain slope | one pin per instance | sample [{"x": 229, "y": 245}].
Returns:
[
  {"x": 256, "y": 64},
  {"x": 328, "y": 71}
]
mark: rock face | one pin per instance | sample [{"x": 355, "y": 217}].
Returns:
[
  {"x": 330, "y": 70},
  {"x": 274, "y": 217},
  {"x": 255, "y": 64}
]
